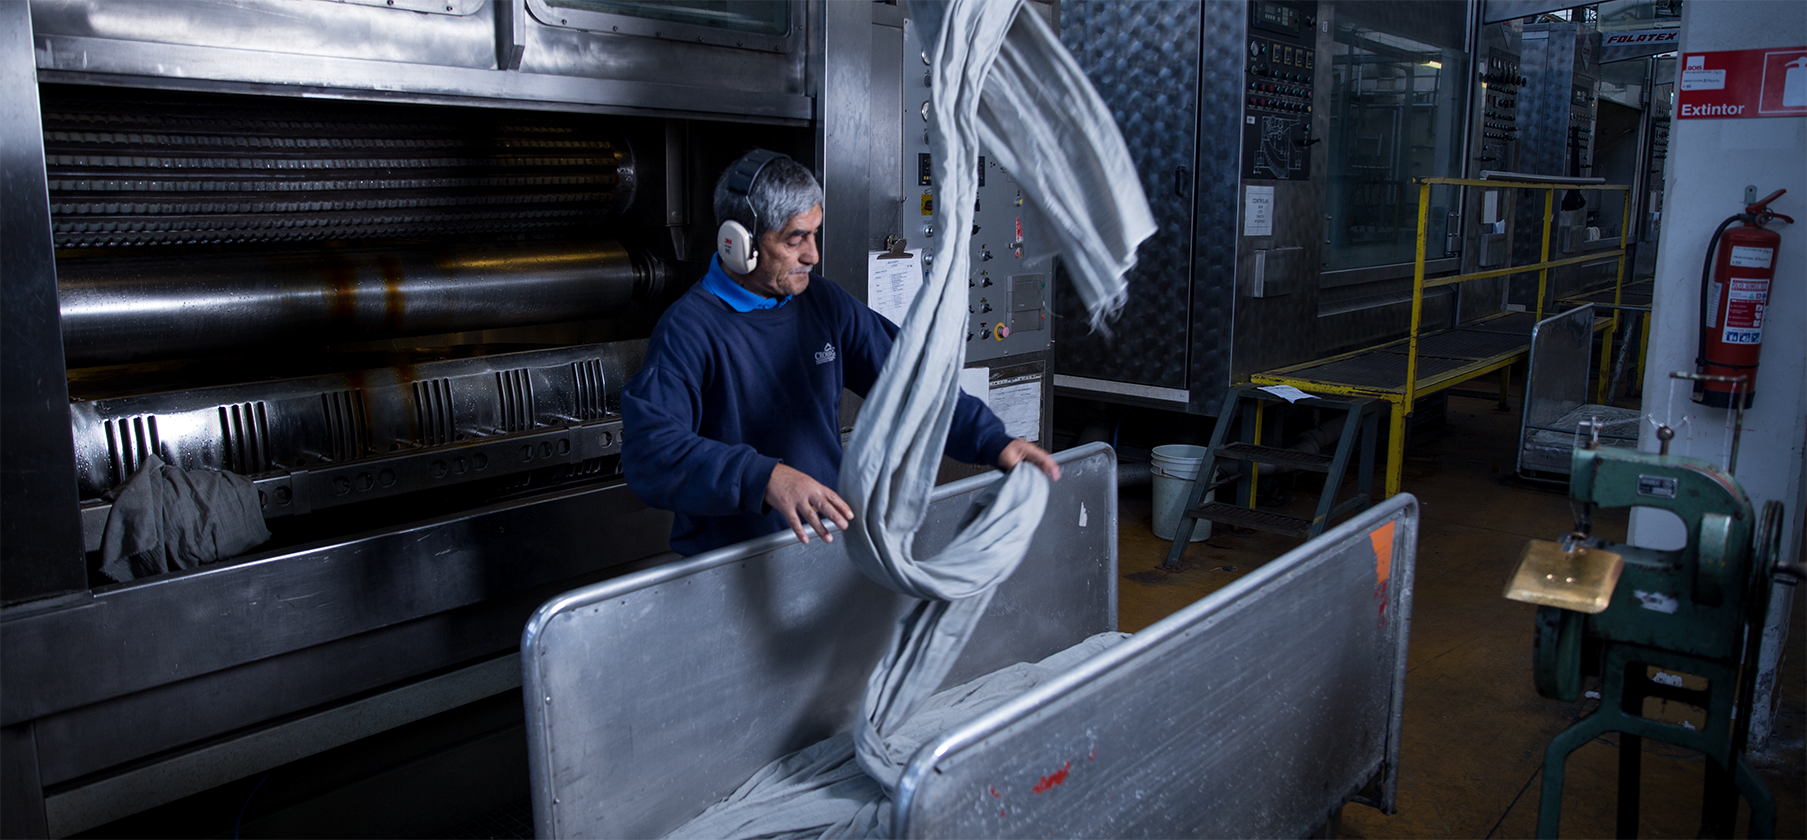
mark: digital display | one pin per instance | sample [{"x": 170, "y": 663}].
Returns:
[{"x": 1276, "y": 16}]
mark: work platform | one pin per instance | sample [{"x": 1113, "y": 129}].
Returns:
[
  {"x": 1445, "y": 359},
  {"x": 1419, "y": 364}
]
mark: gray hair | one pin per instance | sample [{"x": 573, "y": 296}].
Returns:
[{"x": 784, "y": 190}]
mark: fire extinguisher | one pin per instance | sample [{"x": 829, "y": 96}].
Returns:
[{"x": 1734, "y": 290}]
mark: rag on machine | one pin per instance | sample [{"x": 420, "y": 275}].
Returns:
[{"x": 1001, "y": 80}]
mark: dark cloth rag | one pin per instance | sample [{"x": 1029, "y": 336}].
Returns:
[{"x": 166, "y": 518}]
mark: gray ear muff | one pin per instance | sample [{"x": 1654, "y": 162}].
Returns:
[
  {"x": 737, "y": 243},
  {"x": 734, "y": 245}
]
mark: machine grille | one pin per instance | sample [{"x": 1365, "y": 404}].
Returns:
[
  {"x": 146, "y": 169},
  {"x": 245, "y": 431},
  {"x": 130, "y": 440},
  {"x": 345, "y": 424},
  {"x": 515, "y": 389},
  {"x": 433, "y": 411},
  {"x": 589, "y": 391}
]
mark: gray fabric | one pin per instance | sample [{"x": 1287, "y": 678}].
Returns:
[
  {"x": 166, "y": 518},
  {"x": 821, "y": 792},
  {"x": 1001, "y": 76}
]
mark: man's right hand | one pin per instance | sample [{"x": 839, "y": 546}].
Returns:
[{"x": 804, "y": 500}]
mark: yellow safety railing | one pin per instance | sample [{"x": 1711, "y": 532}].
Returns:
[{"x": 1403, "y": 397}]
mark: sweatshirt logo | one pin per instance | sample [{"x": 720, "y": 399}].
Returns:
[{"x": 825, "y": 355}]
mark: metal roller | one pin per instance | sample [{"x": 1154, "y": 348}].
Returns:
[{"x": 118, "y": 310}]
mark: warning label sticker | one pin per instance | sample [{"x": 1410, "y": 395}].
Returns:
[
  {"x": 1744, "y": 310},
  {"x": 1747, "y": 257}
]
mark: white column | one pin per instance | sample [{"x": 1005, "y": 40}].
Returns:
[{"x": 1710, "y": 163}]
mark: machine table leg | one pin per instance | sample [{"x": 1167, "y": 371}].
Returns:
[
  {"x": 1395, "y": 449},
  {"x": 1555, "y": 761},
  {"x": 1631, "y": 753},
  {"x": 1763, "y": 806},
  {"x": 21, "y": 790}
]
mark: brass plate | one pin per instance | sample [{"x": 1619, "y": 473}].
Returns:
[{"x": 1551, "y": 577}]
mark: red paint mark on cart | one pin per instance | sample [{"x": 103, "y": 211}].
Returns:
[
  {"x": 1052, "y": 780},
  {"x": 994, "y": 793},
  {"x": 1093, "y": 756},
  {"x": 1000, "y": 812}
]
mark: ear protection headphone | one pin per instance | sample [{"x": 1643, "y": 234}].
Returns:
[{"x": 735, "y": 242}]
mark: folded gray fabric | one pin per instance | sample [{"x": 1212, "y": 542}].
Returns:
[
  {"x": 166, "y": 518},
  {"x": 821, "y": 792}
]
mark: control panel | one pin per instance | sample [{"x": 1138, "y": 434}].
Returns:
[
  {"x": 1500, "y": 82},
  {"x": 1495, "y": 144},
  {"x": 1581, "y": 126},
  {"x": 1007, "y": 304},
  {"x": 1279, "y": 91}
]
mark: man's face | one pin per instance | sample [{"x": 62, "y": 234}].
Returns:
[{"x": 786, "y": 256}]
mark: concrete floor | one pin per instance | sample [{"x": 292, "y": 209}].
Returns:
[{"x": 1475, "y": 729}]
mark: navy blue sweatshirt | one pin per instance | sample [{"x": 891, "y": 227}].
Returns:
[{"x": 725, "y": 396}]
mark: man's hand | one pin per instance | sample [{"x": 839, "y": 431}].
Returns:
[
  {"x": 1022, "y": 450},
  {"x": 803, "y": 499}
]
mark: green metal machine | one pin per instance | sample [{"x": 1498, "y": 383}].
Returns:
[{"x": 1621, "y": 612}]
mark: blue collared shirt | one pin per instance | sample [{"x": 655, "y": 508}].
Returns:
[{"x": 735, "y": 295}]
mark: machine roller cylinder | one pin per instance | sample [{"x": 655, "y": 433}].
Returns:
[{"x": 120, "y": 310}]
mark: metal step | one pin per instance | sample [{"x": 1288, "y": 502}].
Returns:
[
  {"x": 1260, "y": 520},
  {"x": 1276, "y": 456}
]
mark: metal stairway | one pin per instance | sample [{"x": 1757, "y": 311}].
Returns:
[{"x": 1359, "y": 429}]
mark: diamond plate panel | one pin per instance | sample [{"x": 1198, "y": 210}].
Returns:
[
  {"x": 1224, "y": 26},
  {"x": 1144, "y": 59}
]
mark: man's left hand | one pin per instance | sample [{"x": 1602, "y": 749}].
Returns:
[{"x": 1022, "y": 450}]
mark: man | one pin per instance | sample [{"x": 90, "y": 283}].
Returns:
[{"x": 734, "y": 421}]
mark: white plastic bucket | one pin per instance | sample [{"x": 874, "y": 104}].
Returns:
[{"x": 1175, "y": 466}]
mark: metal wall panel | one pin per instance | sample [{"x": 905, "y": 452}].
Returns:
[
  {"x": 361, "y": 52},
  {"x": 1187, "y": 729},
  {"x": 40, "y": 534},
  {"x": 654, "y": 695},
  {"x": 893, "y": 54},
  {"x": 843, "y": 143},
  {"x": 1144, "y": 60}
]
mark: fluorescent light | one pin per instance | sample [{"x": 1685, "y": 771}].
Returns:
[{"x": 1434, "y": 65}]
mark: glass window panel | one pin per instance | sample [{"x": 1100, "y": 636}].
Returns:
[
  {"x": 1615, "y": 15},
  {"x": 1624, "y": 81},
  {"x": 1397, "y": 109},
  {"x": 764, "y": 17}
]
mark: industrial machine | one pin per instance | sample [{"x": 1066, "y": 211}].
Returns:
[
  {"x": 1225, "y": 109},
  {"x": 1494, "y": 142},
  {"x": 392, "y": 261},
  {"x": 642, "y": 716},
  {"x": 1010, "y": 333},
  {"x": 1656, "y": 626}
]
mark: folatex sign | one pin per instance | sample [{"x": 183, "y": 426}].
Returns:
[
  {"x": 1621, "y": 46},
  {"x": 1743, "y": 83}
]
